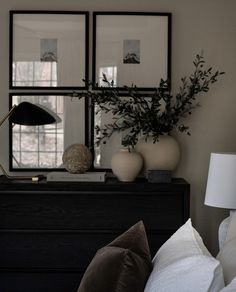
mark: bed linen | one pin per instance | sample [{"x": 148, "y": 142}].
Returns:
[{"x": 184, "y": 264}]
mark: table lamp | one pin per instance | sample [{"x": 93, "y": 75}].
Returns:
[
  {"x": 29, "y": 114},
  {"x": 221, "y": 187}
]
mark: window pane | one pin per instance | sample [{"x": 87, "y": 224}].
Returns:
[
  {"x": 16, "y": 159},
  {"x": 29, "y": 141},
  {"x": 47, "y": 142},
  {"x": 35, "y": 73},
  {"x": 60, "y": 142},
  {"x": 16, "y": 142},
  {"x": 24, "y": 71},
  {"x": 47, "y": 159},
  {"x": 59, "y": 159},
  {"x": 26, "y": 129},
  {"x": 29, "y": 159}
]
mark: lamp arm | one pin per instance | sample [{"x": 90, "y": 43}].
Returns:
[
  {"x": 13, "y": 177},
  {"x": 7, "y": 115},
  {"x": 4, "y": 171}
]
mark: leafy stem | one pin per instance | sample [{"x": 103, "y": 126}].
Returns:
[{"x": 153, "y": 114}]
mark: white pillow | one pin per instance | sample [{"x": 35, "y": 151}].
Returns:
[
  {"x": 184, "y": 264},
  {"x": 227, "y": 257},
  {"x": 231, "y": 287}
]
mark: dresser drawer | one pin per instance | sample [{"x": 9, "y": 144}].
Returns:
[
  {"x": 91, "y": 211},
  {"x": 39, "y": 281},
  {"x": 58, "y": 249}
]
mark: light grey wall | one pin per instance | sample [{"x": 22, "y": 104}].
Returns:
[{"x": 204, "y": 24}]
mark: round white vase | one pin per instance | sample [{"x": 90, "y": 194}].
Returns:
[
  {"x": 126, "y": 165},
  {"x": 164, "y": 154}
]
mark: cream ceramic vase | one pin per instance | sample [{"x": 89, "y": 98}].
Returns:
[
  {"x": 126, "y": 165},
  {"x": 161, "y": 155}
]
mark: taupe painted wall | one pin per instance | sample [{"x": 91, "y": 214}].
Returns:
[{"x": 204, "y": 24}]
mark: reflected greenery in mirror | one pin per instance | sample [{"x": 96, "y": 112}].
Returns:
[{"x": 42, "y": 147}]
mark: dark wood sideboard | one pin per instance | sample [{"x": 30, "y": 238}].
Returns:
[{"x": 49, "y": 231}]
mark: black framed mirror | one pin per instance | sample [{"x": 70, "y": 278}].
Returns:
[
  {"x": 41, "y": 147},
  {"x": 48, "y": 49},
  {"x": 131, "y": 48}
]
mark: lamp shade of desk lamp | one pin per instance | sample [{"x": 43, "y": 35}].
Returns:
[
  {"x": 221, "y": 186},
  {"x": 29, "y": 114}
]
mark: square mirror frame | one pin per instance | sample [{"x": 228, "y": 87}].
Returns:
[
  {"x": 48, "y": 49},
  {"x": 20, "y": 137}
]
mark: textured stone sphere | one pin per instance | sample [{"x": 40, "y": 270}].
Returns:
[{"x": 77, "y": 158}]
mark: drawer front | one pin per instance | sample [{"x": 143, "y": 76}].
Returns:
[
  {"x": 92, "y": 211},
  {"x": 39, "y": 282},
  {"x": 57, "y": 250}
]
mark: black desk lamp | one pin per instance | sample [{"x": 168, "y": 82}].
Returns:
[{"x": 29, "y": 114}]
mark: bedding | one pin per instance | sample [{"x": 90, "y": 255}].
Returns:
[
  {"x": 227, "y": 254},
  {"x": 122, "y": 266},
  {"x": 227, "y": 258},
  {"x": 184, "y": 264},
  {"x": 231, "y": 287},
  {"x": 231, "y": 232}
]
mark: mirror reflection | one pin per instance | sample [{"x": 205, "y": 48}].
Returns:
[
  {"x": 104, "y": 151},
  {"x": 42, "y": 147},
  {"x": 48, "y": 49}
]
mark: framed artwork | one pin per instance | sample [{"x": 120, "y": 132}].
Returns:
[
  {"x": 41, "y": 147},
  {"x": 131, "y": 48},
  {"x": 48, "y": 49}
]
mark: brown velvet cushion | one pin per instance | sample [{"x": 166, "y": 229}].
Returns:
[{"x": 123, "y": 265}]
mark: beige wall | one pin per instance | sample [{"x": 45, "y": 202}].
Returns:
[{"x": 204, "y": 24}]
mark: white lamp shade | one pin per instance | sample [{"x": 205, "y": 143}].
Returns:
[{"x": 221, "y": 183}]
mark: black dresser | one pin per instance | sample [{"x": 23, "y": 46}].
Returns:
[{"x": 49, "y": 232}]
